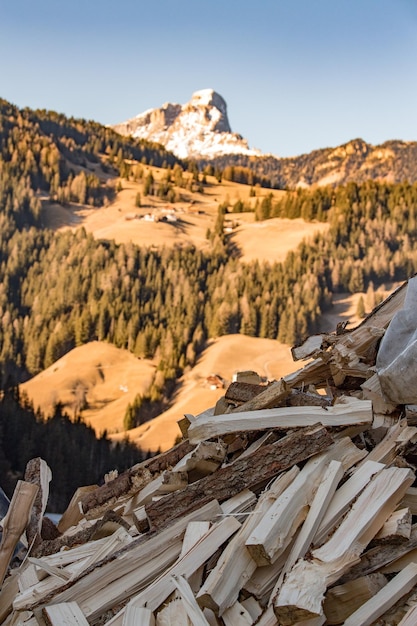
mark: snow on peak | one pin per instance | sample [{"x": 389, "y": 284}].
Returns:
[{"x": 199, "y": 128}]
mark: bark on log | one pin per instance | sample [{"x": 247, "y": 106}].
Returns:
[
  {"x": 245, "y": 473},
  {"x": 133, "y": 480}
]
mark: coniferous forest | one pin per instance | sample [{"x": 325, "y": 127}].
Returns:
[{"x": 61, "y": 290}]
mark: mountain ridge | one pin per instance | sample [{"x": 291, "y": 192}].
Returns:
[{"x": 200, "y": 130}]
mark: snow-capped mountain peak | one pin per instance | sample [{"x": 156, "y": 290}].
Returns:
[{"x": 199, "y": 128}]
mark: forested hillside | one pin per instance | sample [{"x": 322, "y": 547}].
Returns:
[{"x": 61, "y": 290}]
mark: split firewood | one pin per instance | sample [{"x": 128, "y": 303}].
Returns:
[
  {"x": 239, "y": 392},
  {"x": 235, "y": 565},
  {"x": 237, "y": 615},
  {"x": 15, "y": 522},
  {"x": 347, "y": 412},
  {"x": 246, "y": 473},
  {"x": 310, "y": 348},
  {"x": 372, "y": 391},
  {"x": 397, "y": 528},
  {"x": 192, "y": 608},
  {"x": 194, "y": 532},
  {"x": 253, "y": 607},
  {"x": 130, "y": 482},
  {"x": 410, "y": 618},
  {"x": 343, "y": 600},
  {"x": 158, "y": 591},
  {"x": 65, "y": 613},
  {"x": 171, "y": 614},
  {"x": 385, "y": 598},
  {"x": 385, "y": 558},
  {"x": 73, "y": 513},
  {"x": 275, "y": 530},
  {"x": 273, "y": 394},
  {"x": 38, "y": 473},
  {"x": 138, "y": 615},
  {"x": 122, "y": 573},
  {"x": 301, "y": 595}
]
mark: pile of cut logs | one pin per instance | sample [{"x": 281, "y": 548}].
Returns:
[{"x": 290, "y": 502}]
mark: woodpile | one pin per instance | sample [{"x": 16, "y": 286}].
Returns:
[{"x": 291, "y": 502}]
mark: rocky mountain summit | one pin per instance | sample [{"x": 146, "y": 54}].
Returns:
[{"x": 199, "y": 128}]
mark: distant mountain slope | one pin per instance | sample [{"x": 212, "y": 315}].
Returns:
[
  {"x": 355, "y": 161},
  {"x": 199, "y": 128}
]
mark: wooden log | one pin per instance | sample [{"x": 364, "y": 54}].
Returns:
[
  {"x": 240, "y": 392},
  {"x": 385, "y": 598},
  {"x": 167, "y": 482},
  {"x": 235, "y": 565},
  {"x": 8, "y": 592},
  {"x": 397, "y": 528},
  {"x": 347, "y": 412},
  {"x": 311, "y": 347},
  {"x": 64, "y": 613},
  {"x": 247, "y": 376},
  {"x": 302, "y": 593},
  {"x": 272, "y": 394},
  {"x": 15, "y": 522},
  {"x": 410, "y": 500},
  {"x": 343, "y": 600},
  {"x": 379, "y": 557},
  {"x": 38, "y": 473},
  {"x": 205, "y": 459},
  {"x": 238, "y": 505},
  {"x": 249, "y": 472},
  {"x": 73, "y": 513},
  {"x": 131, "y": 481}
]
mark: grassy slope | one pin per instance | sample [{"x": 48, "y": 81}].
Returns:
[{"x": 122, "y": 375}]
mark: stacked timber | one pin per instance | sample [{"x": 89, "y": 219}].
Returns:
[{"x": 291, "y": 502}]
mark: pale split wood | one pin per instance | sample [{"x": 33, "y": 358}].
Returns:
[
  {"x": 410, "y": 500},
  {"x": 237, "y": 615},
  {"x": 372, "y": 391},
  {"x": 64, "y": 614},
  {"x": 159, "y": 590},
  {"x": 194, "y": 532},
  {"x": 192, "y": 608},
  {"x": 347, "y": 411},
  {"x": 203, "y": 460},
  {"x": 235, "y": 565},
  {"x": 410, "y": 618},
  {"x": 385, "y": 598},
  {"x": 386, "y": 558},
  {"x": 253, "y": 607},
  {"x": 8, "y": 592},
  {"x": 38, "y": 473},
  {"x": 15, "y": 522},
  {"x": 344, "y": 496},
  {"x": 277, "y": 527},
  {"x": 311, "y": 347},
  {"x": 342, "y": 600},
  {"x": 302, "y": 593},
  {"x": 396, "y": 438},
  {"x": 243, "y": 502},
  {"x": 397, "y": 528},
  {"x": 173, "y": 614},
  {"x": 121, "y": 574},
  {"x": 138, "y": 616},
  {"x": 73, "y": 513},
  {"x": 331, "y": 478}
]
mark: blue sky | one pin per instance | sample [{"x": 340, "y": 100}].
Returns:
[{"x": 296, "y": 74}]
